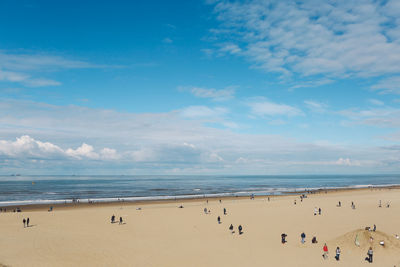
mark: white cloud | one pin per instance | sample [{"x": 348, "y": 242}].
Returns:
[
  {"x": 214, "y": 94},
  {"x": 109, "y": 153},
  {"x": 335, "y": 39},
  {"x": 388, "y": 85},
  {"x": 23, "y": 68},
  {"x": 347, "y": 162},
  {"x": 42, "y": 62},
  {"x": 230, "y": 48},
  {"x": 41, "y": 82},
  {"x": 96, "y": 141},
  {"x": 315, "y": 106},
  {"x": 203, "y": 112},
  {"x": 84, "y": 150},
  {"x": 12, "y": 76},
  {"x": 167, "y": 40},
  {"x": 27, "y": 147},
  {"x": 376, "y": 102},
  {"x": 267, "y": 108},
  {"x": 380, "y": 117}
]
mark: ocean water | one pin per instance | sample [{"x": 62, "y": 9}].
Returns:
[{"x": 17, "y": 190}]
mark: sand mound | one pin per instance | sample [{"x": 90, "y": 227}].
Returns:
[{"x": 361, "y": 240}]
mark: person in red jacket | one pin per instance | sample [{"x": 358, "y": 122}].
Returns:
[{"x": 325, "y": 255}]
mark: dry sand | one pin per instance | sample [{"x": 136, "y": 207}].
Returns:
[{"x": 161, "y": 234}]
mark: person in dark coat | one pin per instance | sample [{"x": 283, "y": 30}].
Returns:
[{"x": 283, "y": 237}]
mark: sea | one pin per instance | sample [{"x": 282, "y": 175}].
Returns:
[{"x": 24, "y": 189}]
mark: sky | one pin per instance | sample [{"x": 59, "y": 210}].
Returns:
[{"x": 200, "y": 87}]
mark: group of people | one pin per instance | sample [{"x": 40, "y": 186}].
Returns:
[
  {"x": 326, "y": 251},
  {"x": 317, "y": 211},
  {"x": 240, "y": 229},
  {"x": 231, "y": 228},
  {"x": 325, "y": 247},
  {"x": 26, "y": 222},
  {"x": 121, "y": 221}
]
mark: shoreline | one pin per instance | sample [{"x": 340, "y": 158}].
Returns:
[{"x": 134, "y": 201}]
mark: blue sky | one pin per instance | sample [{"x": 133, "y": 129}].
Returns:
[{"x": 204, "y": 87}]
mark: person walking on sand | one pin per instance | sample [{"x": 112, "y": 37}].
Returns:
[
  {"x": 303, "y": 237},
  {"x": 120, "y": 220},
  {"x": 315, "y": 211},
  {"x": 374, "y": 229},
  {"x": 231, "y": 228},
  {"x": 319, "y": 211},
  {"x": 205, "y": 210},
  {"x": 113, "y": 219},
  {"x": 337, "y": 253},
  {"x": 219, "y": 220},
  {"x": 224, "y": 211},
  {"x": 325, "y": 249},
  {"x": 370, "y": 253},
  {"x": 24, "y": 221},
  {"x": 27, "y": 222},
  {"x": 240, "y": 228}
]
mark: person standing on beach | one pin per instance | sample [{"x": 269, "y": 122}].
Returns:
[
  {"x": 283, "y": 237},
  {"x": 113, "y": 219},
  {"x": 219, "y": 220},
  {"x": 337, "y": 253},
  {"x": 120, "y": 220},
  {"x": 27, "y": 222},
  {"x": 315, "y": 211},
  {"x": 24, "y": 221},
  {"x": 224, "y": 211},
  {"x": 231, "y": 228},
  {"x": 325, "y": 249},
  {"x": 240, "y": 228},
  {"x": 370, "y": 253},
  {"x": 303, "y": 237},
  {"x": 319, "y": 211}
]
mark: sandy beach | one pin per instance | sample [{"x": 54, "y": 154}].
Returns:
[{"x": 161, "y": 234}]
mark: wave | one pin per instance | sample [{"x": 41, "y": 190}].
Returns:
[{"x": 269, "y": 192}]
